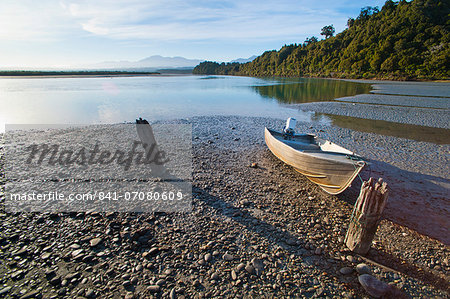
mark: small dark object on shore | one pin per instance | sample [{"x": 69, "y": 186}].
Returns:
[
  {"x": 141, "y": 121},
  {"x": 254, "y": 165}
]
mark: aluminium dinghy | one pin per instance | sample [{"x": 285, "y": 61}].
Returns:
[{"x": 324, "y": 163}]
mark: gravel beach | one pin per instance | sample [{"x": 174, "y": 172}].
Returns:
[
  {"x": 257, "y": 228},
  {"x": 417, "y": 103}
]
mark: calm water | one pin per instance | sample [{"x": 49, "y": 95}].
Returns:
[
  {"x": 290, "y": 91},
  {"x": 381, "y": 127},
  {"x": 118, "y": 99}
]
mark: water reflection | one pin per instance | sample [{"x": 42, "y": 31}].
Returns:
[
  {"x": 307, "y": 90},
  {"x": 381, "y": 127},
  {"x": 114, "y": 100}
]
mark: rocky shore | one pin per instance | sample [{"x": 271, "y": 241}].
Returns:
[{"x": 257, "y": 229}]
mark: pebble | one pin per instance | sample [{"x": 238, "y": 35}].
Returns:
[
  {"x": 202, "y": 262},
  {"x": 153, "y": 250},
  {"x": 31, "y": 294},
  {"x": 161, "y": 282},
  {"x": 250, "y": 269},
  {"x": 75, "y": 246},
  {"x": 154, "y": 288},
  {"x": 55, "y": 281},
  {"x": 228, "y": 257},
  {"x": 373, "y": 286},
  {"x": 129, "y": 295},
  {"x": 208, "y": 257},
  {"x": 233, "y": 275},
  {"x": 346, "y": 270},
  {"x": 126, "y": 276},
  {"x": 90, "y": 293},
  {"x": 46, "y": 255},
  {"x": 215, "y": 276},
  {"x": 173, "y": 294},
  {"x": 5, "y": 290},
  {"x": 351, "y": 259},
  {"x": 77, "y": 252},
  {"x": 94, "y": 242},
  {"x": 363, "y": 269},
  {"x": 240, "y": 267},
  {"x": 21, "y": 252},
  {"x": 258, "y": 264}
]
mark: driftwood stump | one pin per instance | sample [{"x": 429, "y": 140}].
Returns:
[{"x": 366, "y": 216}]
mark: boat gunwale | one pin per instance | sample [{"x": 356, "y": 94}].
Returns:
[{"x": 308, "y": 151}]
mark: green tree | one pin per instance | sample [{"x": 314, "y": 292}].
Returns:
[
  {"x": 406, "y": 39},
  {"x": 310, "y": 40},
  {"x": 328, "y": 31}
]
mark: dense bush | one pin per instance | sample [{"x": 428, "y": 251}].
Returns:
[{"x": 403, "y": 40}]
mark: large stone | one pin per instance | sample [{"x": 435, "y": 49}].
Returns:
[
  {"x": 258, "y": 265},
  {"x": 373, "y": 286}
]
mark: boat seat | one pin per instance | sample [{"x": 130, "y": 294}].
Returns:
[{"x": 301, "y": 145}]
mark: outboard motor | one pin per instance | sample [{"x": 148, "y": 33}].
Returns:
[{"x": 289, "y": 129}]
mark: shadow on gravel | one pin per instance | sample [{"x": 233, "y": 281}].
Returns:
[
  {"x": 396, "y": 264},
  {"x": 282, "y": 238},
  {"x": 416, "y": 200}
]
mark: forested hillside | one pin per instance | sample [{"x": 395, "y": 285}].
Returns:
[{"x": 403, "y": 40}]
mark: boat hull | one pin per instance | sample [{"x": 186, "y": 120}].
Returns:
[{"x": 332, "y": 171}]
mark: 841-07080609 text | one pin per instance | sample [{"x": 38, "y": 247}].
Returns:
[{"x": 102, "y": 196}]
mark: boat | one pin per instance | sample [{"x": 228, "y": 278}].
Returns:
[{"x": 324, "y": 163}]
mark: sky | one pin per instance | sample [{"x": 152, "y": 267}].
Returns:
[{"x": 69, "y": 33}]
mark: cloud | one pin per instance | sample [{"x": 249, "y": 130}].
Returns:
[
  {"x": 33, "y": 20},
  {"x": 199, "y": 20},
  {"x": 170, "y": 20}
]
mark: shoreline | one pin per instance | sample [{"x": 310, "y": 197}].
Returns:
[
  {"x": 357, "y": 80},
  {"x": 77, "y": 76}
]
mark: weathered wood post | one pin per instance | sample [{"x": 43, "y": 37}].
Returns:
[{"x": 366, "y": 216}]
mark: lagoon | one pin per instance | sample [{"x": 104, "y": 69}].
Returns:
[{"x": 97, "y": 100}]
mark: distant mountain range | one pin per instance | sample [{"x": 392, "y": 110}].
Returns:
[
  {"x": 244, "y": 60},
  {"x": 157, "y": 62}
]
